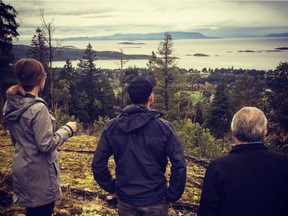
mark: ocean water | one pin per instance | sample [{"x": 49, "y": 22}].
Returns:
[{"x": 245, "y": 53}]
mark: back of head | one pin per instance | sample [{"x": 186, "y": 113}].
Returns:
[
  {"x": 140, "y": 88},
  {"x": 29, "y": 73},
  {"x": 249, "y": 124}
]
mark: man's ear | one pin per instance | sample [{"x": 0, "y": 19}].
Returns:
[
  {"x": 235, "y": 138},
  {"x": 264, "y": 135},
  {"x": 151, "y": 98}
]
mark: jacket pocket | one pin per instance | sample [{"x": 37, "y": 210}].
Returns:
[
  {"x": 54, "y": 171},
  {"x": 53, "y": 161}
]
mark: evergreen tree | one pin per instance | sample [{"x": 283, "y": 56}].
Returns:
[
  {"x": 95, "y": 84},
  {"x": 164, "y": 69},
  {"x": 152, "y": 62},
  {"x": 246, "y": 91},
  {"x": 8, "y": 31},
  {"x": 38, "y": 51},
  {"x": 38, "y": 48},
  {"x": 126, "y": 77},
  {"x": 63, "y": 95},
  {"x": 107, "y": 98},
  {"x": 79, "y": 106},
  {"x": 90, "y": 81},
  {"x": 219, "y": 115},
  {"x": 279, "y": 96},
  {"x": 68, "y": 71}
]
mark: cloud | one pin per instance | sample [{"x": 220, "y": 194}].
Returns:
[{"x": 98, "y": 17}]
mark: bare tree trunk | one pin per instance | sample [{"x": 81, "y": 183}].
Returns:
[
  {"x": 49, "y": 33},
  {"x": 188, "y": 107},
  {"x": 195, "y": 116}
]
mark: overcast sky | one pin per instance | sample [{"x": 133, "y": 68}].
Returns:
[{"x": 107, "y": 17}]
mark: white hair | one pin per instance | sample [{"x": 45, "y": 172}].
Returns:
[{"x": 249, "y": 124}]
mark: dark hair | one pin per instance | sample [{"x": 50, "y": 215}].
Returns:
[
  {"x": 29, "y": 73},
  {"x": 140, "y": 88}
]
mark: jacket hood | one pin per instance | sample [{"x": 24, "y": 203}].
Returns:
[
  {"x": 134, "y": 117},
  {"x": 16, "y": 105}
]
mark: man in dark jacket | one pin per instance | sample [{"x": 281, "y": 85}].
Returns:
[
  {"x": 250, "y": 180},
  {"x": 141, "y": 143}
]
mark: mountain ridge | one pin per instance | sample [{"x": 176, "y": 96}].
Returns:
[
  {"x": 147, "y": 36},
  {"x": 176, "y": 35}
]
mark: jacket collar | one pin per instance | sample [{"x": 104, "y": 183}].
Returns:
[{"x": 249, "y": 147}]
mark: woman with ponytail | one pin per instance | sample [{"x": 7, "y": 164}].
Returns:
[{"x": 35, "y": 169}]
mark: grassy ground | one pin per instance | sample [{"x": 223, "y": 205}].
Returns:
[{"x": 81, "y": 195}]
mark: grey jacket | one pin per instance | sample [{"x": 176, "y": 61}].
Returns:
[{"x": 35, "y": 168}]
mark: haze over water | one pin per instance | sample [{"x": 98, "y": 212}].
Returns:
[
  {"x": 245, "y": 53},
  {"x": 248, "y": 53}
]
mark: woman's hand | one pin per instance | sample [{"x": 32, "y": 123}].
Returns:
[{"x": 73, "y": 126}]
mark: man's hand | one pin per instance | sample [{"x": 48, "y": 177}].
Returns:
[{"x": 112, "y": 196}]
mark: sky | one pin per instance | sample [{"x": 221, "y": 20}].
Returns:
[{"x": 107, "y": 17}]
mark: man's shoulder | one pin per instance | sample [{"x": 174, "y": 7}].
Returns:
[
  {"x": 278, "y": 155},
  {"x": 111, "y": 121},
  {"x": 221, "y": 159},
  {"x": 165, "y": 123},
  {"x": 230, "y": 158}
]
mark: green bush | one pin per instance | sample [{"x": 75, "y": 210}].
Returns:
[
  {"x": 196, "y": 140},
  {"x": 62, "y": 119},
  {"x": 99, "y": 125}
]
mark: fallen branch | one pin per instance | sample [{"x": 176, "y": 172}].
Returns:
[
  {"x": 200, "y": 161},
  {"x": 78, "y": 151}
]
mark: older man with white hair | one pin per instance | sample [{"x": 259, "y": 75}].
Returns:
[{"x": 250, "y": 180}]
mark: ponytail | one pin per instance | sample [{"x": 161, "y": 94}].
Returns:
[
  {"x": 29, "y": 73},
  {"x": 16, "y": 89}
]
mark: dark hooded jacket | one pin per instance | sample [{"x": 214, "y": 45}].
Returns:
[
  {"x": 35, "y": 169},
  {"x": 249, "y": 181},
  {"x": 141, "y": 143}
]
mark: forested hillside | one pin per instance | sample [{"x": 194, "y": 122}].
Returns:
[{"x": 73, "y": 53}]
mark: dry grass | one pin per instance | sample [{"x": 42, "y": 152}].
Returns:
[{"x": 76, "y": 175}]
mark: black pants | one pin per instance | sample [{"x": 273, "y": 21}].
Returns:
[{"x": 45, "y": 210}]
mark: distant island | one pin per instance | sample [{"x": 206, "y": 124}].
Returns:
[
  {"x": 247, "y": 51},
  {"x": 282, "y": 48},
  {"x": 73, "y": 53},
  {"x": 278, "y": 49},
  {"x": 278, "y": 35},
  {"x": 131, "y": 43},
  {"x": 198, "y": 55}
]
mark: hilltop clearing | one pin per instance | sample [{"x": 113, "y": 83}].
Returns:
[{"x": 81, "y": 195}]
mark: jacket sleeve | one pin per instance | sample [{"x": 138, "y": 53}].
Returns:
[
  {"x": 211, "y": 196},
  {"x": 100, "y": 168},
  {"x": 178, "y": 169},
  {"x": 47, "y": 140}
]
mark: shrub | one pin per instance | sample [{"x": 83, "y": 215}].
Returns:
[
  {"x": 196, "y": 140},
  {"x": 99, "y": 125},
  {"x": 62, "y": 118}
]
